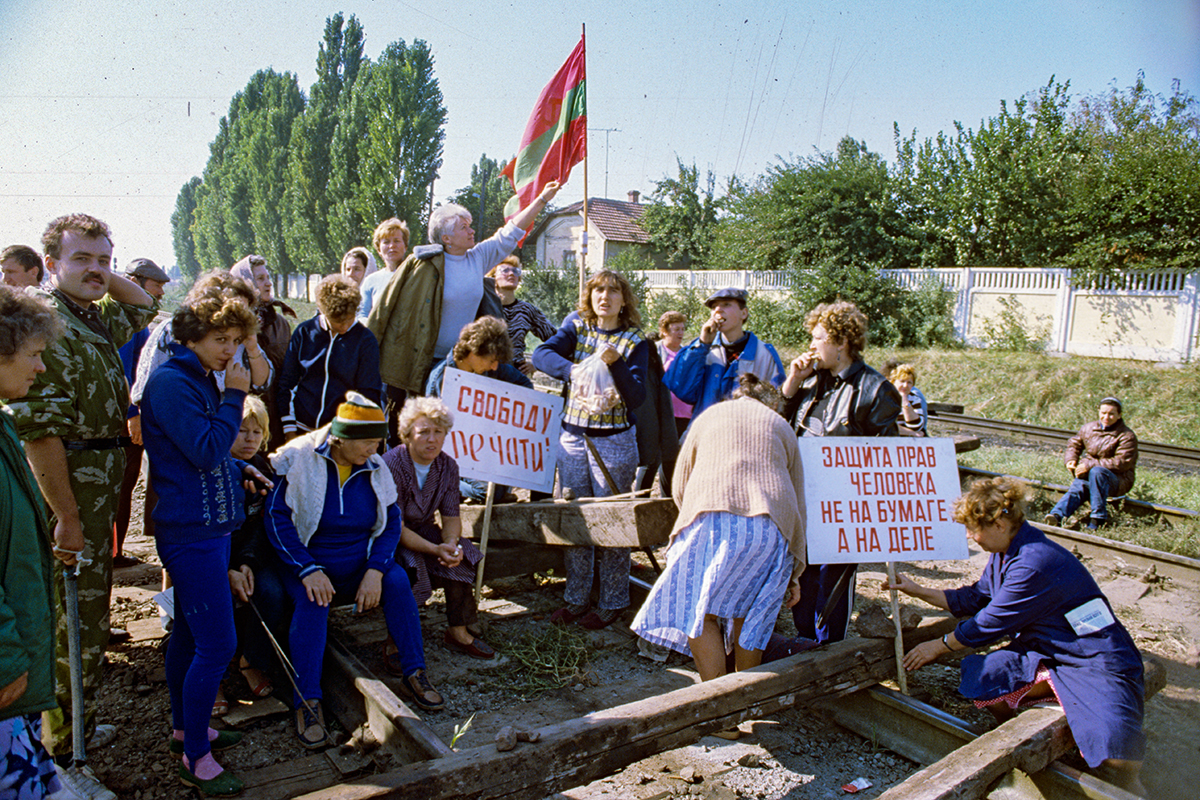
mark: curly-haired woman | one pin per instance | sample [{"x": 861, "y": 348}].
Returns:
[
  {"x": 189, "y": 427},
  {"x": 1066, "y": 643}
]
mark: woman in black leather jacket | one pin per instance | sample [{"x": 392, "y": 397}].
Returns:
[{"x": 831, "y": 392}]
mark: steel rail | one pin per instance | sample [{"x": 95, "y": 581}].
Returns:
[
  {"x": 1147, "y": 451},
  {"x": 1138, "y": 508}
]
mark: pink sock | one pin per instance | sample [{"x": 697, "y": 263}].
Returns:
[{"x": 206, "y": 768}]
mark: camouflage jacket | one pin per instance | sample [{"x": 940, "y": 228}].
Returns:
[{"x": 83, "y": 393}]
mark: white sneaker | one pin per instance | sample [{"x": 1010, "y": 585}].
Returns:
[
  {"x": 83, "y": 784},
  {"x": 102, "y": 737}
]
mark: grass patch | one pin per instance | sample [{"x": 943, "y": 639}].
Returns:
[
  {"x": 542, "y": 659},
  {"x": 1153, "y": 486}
]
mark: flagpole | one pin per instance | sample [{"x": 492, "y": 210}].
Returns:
[{"x": 584, "y": 250}]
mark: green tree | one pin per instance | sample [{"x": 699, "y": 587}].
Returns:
[
  {"x": 486, "y": 196},
  {"x": 306, "y": 200},
  {"x": 181, "y": 229},
  {"x": 1136, "y": 199},
  {"x": 827, "y": 209},
  {"x": 388, "y": 145},
  {"x": 999, "y": 195},
  {"x": 682, "y": 219},
  {"x": 239, "y": 201}
]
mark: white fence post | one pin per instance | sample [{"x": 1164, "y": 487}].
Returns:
[{"x": 1187, "y": 316}]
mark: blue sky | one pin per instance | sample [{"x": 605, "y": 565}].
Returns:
[{"x": 109, "y": 107}]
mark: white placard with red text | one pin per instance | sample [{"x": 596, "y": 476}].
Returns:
[
  {"x": 502, "y": 432},
  {"x": 881, "y": 499}
]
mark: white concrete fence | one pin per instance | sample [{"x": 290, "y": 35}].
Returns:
[{"x": 1147, "y": 316}]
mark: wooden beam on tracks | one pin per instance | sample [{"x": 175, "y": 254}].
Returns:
[
  {"x": 615, "y": 523},
  {"x": 1029, "y": 742},
  {"x": 574, "y": 752}
]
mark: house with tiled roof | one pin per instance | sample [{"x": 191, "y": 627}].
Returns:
[{"x": 613, "y": 227}]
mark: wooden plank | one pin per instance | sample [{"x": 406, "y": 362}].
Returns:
[
  {"x": 288, "y": 779},
  {"x": 1029, "y": 742},
  {"x": 965, "y": 442},
  {"x": 574, "y": 752},
  {"x": 606, "y": 523}
]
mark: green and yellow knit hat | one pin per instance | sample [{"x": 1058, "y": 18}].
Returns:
[{"x": 359, "y": 418}]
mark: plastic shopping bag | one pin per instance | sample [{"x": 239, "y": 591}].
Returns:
[{"x": 592, "y": 385}]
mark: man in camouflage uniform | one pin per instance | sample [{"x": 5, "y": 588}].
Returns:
[{"x": 72, "y": 422}]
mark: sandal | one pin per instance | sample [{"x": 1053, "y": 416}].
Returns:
[
  {"x": 310, "y": 726},
  {"x": 595, "y": 620},
  {"x": 260, "y": 685},
  {"x": 220, "y": 706}
]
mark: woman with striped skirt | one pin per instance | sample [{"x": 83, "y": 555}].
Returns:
[{"x": 737, "y": 550}]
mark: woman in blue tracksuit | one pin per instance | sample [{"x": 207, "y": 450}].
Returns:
[
  {"x": 188, "y": 428},
  {"x": 333, "y": 519}
]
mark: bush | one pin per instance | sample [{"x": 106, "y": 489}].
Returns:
[
  {"x": 897, "y": 317},
  {"x": 553, "y": 290},
  {"x": 1009, "y": 329}
]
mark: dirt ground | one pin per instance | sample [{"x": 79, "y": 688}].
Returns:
[{"x": 794, "y": 754}]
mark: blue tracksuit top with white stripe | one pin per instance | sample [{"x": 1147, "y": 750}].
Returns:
[
  {"x": 347, "y": 519},
  {"x": 320, "y": 367},
  {"x": 700, "y": 377}
]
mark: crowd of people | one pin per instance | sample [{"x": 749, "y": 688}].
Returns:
[{"x": 291, "y": 468}]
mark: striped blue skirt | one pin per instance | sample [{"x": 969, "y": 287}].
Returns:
[{"x": 722, "y": 564}]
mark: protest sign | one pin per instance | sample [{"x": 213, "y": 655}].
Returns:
[
  {"x": 502, "y": 433},
  {"x": 881, "y": 499}
]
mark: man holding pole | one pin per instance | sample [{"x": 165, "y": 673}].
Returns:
[{"x": 72, "y": 421}]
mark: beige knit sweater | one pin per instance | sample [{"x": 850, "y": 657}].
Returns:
[{"x": 741, "y": 457}]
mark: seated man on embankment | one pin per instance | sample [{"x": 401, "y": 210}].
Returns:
[{"x": 1101, "y": 457}]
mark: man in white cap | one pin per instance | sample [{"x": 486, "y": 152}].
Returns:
[{"x": 706, "y": 371}]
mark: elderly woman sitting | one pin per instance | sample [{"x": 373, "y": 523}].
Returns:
[
  {"x": 334, "y": 521},
  {"x": 1066, "y": 644},
  {"x": 436, "y": 557}
]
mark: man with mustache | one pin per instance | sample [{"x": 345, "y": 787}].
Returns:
[{"x": 72, "y": 421}]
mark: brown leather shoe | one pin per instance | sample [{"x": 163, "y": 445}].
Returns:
[
  {"x": 478, "y": 648},
  {"x": 416, "y": 687}
]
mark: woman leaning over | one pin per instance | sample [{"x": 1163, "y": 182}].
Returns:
[
  {"x": 334, "y": 521},
  {"x": 1065, "y": 644},
  {"x": 188, "y": 428},
  {"x": 737, "y": 549},
  {"x": 435, "y": 556},
  {"x": 597, "y": 433},
  {"x": 27, "y": 326}
]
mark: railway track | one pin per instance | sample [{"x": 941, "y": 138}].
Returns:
[
  {"x": 1138, "y": 508},
  {"x": 1157, "y": 453}
]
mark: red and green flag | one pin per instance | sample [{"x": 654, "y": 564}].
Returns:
[{"x": 555, "y": 137}]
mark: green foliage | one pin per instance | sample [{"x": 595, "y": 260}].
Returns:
[
  {"x": 239, "y": 202},
  {"x": 687, "y": 300},
  {"x": 301, "y": 182},
  {"x": 486, "y": 196},
  {"x": 898, "y": 317},
  {"x": 681, "y": 219},
  {"x": 307, "y": 200},
  {"x": 1136, "y": 199},
  {"x": 1012, "y": 330},
  {"x": 826, "y": 209},
  {"x": 181, "y": 229},
  {"x": 392, "y": 145},
  {"x": 543, "y": 659},
  {"x": 554, "y": 291}
]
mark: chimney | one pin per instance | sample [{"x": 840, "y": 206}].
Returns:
[{"x": 634, "y": 194}]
